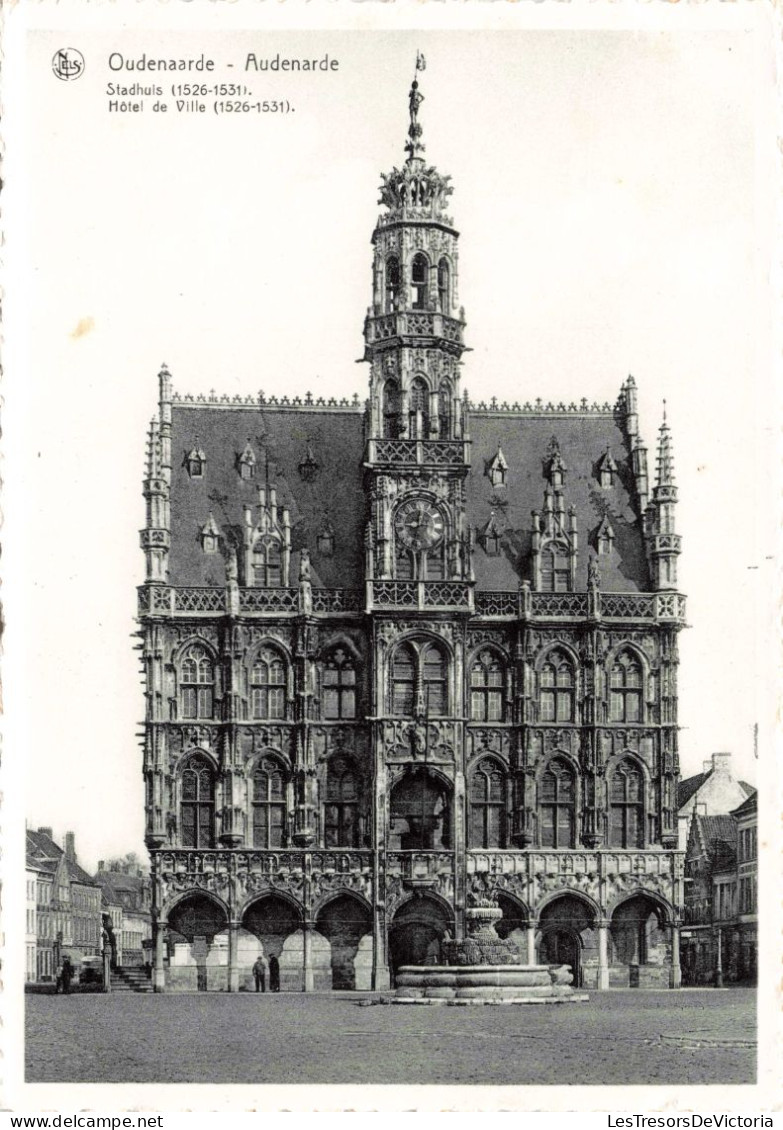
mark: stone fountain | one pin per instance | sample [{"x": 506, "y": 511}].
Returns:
[{"x": 484, "y": 969}]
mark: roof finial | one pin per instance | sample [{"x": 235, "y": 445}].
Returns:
[
  {"x": 414, "y": 146},
  {"x": 664, "y": 410}
]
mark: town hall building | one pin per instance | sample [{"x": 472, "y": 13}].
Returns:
[{"x": 408, "y": 657}]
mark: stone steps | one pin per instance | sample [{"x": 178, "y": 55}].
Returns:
[{"x": 128, "y": 979}]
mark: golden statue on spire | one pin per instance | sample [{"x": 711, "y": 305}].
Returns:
[{"x": 414, "y": 146}]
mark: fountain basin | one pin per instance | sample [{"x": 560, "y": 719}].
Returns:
[{"x": 485, "y": 984}]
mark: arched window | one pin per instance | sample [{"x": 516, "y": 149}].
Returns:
[
  {"x": 267, "y": 567},
  {"x": 626, "y": 806},
  {"x": 339, "y": 685},
  {"x": 197, "y": 804},
  {"x": 391, "y": 409},
  {"x": 625, "y": 689},
  {"x": 341, "y": 825},
  {"x": 444, "y": 286},
  {"x": 444, "y": 410},
  {"x": 486, "y": 688},
  {"x": 555, "y": 571},
  {"x": 269, "y": 782},
  {"x": 556, "y": 693},
  {"x": 392, "y": 284},
  {"x": 196, "y": 683},
  {"x": 557, "y": 805},
  {"x": 268, "y": 685},
  {"x": 487, "y": 806},
  {"x": 434, "y": 680},
  {"x": 420, "y": 270},
  {"x": 419, "y": 409},
  {"x": 419, "y": 680},
  {"x": 404, "y": 681}
]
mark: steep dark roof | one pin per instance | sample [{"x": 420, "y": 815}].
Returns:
[
  {"x": 718, "y": 828},
  {"x": 44, "y": 853},
  {"x": 748, "y": 806},
  {"x": 583, "y": 441},
  {"x": 122, "y": 889},
  {"x": 41, "y": 852},
  {"x": 336, "y": 440},
  {"x": 691, "y": 785}
]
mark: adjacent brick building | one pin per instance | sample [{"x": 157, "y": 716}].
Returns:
[{"x": 67, "y": 904}]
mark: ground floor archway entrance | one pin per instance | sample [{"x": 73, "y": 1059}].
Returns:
[
  {"x": 561, "y": 947},
  {"x": 197, "y": 945},
  {"x": 416, "y": 932},
  {"x": 346, "y": 923}
]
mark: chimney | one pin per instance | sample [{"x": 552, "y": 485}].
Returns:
[
  {"x": 70, "y": 847},
  {"x": 100, "y": 865},
  {"x": 45, "y": 832},
  {"x": 721, "y": 764}
]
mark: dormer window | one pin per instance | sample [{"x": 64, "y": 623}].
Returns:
[
  {"x": 555, "y": 570},
  {"x": 246, "y": 462},
  {"x": 266, "y": 563},
  {"x": 489, "y": 538},
  {"x": 309, "y": 466},
  {"x": 607, "y": 469},
  {"x": 497, "y": 469},
  {"x": 605, "y": 538},
  {"x": 210, "y": 535},
  {"x": 325, "y": 542},
  {"x": 195, "y": 461}
]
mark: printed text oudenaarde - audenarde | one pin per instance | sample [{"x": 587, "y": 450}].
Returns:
[{"x": 202, "y": 63}]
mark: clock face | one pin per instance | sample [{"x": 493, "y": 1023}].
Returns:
[{"x": 419, "y": 524}]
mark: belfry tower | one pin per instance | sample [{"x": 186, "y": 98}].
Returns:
[{"x": 413, "y": 342}]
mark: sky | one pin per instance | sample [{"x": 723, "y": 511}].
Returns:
[{"x": 613, "y": 197}]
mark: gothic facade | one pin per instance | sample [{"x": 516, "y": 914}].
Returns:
[{"x": 407, "y": 657}]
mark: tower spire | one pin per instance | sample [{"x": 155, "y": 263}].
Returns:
[
  {"x": 665, "y": 466},
  {"x": 663, "y": 540}
]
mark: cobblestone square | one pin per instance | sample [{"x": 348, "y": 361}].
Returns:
[{"x": 617, "y": 1038}]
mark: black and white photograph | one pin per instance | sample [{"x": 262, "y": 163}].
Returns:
[{"x": 391, "y": 514}]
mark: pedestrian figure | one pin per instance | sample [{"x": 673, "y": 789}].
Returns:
[
  {"x": 274, "y": 974},
  {"x": 259, "y": 972},
  {"x": 58, "y": 978},
  {"x": 66, "y": 974}
]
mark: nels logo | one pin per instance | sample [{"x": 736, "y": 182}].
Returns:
[{"x": 68, "y": 64}]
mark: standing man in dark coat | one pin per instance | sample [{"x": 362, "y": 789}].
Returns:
[
  {"x": 67, "y": 974},
  {"x": 274, "y": 974},
  {"x": 259, "y": 972}
]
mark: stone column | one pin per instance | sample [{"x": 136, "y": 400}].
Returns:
[
  {"x": 233, "y": 968},
  {"x": 158, "y": 972},
  {"x": 675, "y": 981},
  {"x": 531, "y": 942},
  {"x": 381, "y": 978},
  {"x": 307, "y": 967},
  {"x": 719, "y": 960},
  {"x": 603, "y": 953}
]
